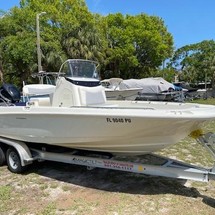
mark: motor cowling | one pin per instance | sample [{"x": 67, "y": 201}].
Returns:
[{"x": 9, "y": 93}]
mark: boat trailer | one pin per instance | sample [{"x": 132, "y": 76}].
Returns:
[{"x": 18, "y": 155}]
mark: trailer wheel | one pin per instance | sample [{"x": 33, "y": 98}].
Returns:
[
  {"x": 13, "y": 161},
  {"x": 2, "y": 157}
]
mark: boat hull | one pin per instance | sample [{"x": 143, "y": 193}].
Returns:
[{"x": 126, "y": 130}]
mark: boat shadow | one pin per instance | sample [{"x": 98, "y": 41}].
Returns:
[{"x": 116, "y": 181}]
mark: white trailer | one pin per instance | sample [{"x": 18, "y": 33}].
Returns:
[{"x": 18, "y": 155}]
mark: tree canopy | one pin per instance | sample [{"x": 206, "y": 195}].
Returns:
[
  {"x": 137, "y": 44},
  {"x": 195, "y": 62},
  {"x": 126, "y": 46}
]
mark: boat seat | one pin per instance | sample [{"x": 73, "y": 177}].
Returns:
[
  {"x": 92, "y": 96},
  {"x": 38, "y": 89}
]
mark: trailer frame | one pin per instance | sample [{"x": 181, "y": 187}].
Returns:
[{"x": 19, "y": 155}]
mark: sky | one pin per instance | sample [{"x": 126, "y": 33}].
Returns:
[{"x": 189, "y": 21}]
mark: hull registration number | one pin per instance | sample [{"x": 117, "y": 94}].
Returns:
[{"x": 118, "y": 120}]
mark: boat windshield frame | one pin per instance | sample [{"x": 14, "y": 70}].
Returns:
[{"x": 79, "y": 68}]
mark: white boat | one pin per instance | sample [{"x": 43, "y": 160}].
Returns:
[
  {"x": 79, "y": 116},
  {"x": 115, "y": 91},
  {"x": 153, "y": 89}
]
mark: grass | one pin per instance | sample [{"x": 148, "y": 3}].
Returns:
[
  {"x": 5, "y": 196},
  {"x": 5, "y": 193},
  {"x": 49, "y": 210},
  {"x": 209, "y": 101}
]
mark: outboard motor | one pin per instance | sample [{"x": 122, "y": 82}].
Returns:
[{"x": 9, "y": 94}]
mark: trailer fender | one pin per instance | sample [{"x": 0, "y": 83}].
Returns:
[{"x": 22, "y": 149}]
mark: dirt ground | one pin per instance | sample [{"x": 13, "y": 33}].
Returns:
[{"x": 55, "y": 188}]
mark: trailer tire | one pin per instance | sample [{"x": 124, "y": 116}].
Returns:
[
  {"x": 13, "y": 161},
  {"x": 2, "y": 157}
]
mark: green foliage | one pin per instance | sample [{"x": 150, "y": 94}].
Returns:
[
  {"x": 138, "y": 44},
  {"x": 167, "y": 73},
  {"x": 128, "y": 46},
  {"x": 16, "y": 46},
  {"x": 196, "y": 62}
]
